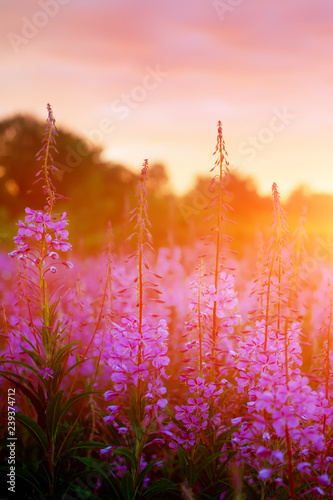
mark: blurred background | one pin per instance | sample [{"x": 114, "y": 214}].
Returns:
[{"x": 133, "y": 80}]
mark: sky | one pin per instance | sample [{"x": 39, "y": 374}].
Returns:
[{"x": 149, "y": 79}]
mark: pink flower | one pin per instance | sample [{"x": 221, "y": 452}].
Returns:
[
  {"x": 283, "y": 419},
  {"x": 40, "y": 226},
  {"x": 161, "y": 403},
  {"x": 138, "y": 372},
  {"x": 212, "y": 391},
  {"x": 109, "y": 395},
  {"x": 160, "y": 359},
  {"x": 187, "y": 440},
  {"x": 196, "y": 385},
  {"x": 119, "y": 378},
  {"x": 264, "y": 401}
]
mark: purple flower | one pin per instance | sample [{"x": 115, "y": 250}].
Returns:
[
  {"x": 264, "y": 474},
  {"x": 263, "y": 452},
  {"x": 161, "y": 403},
  {"x": 109, "y": 419},
  {"x": 304, "y": 467},
  {"x": 236, "y": 421},
  {"x": 283, "y": 419},
  {"x": 318, "y": 490},
  {"x": 105, "y": 452},
  {"x": 47, "y": 373},
  {"x": 113, "y": 409},
  {"x": 196, "y": 385},
  {"x": 109, "y": 395},
  {"x": 324, "y": 480},
  {"x": 122, "y": 430},
  {"x": 40, "y": 226},
  {"x": 277, "y": 455}
]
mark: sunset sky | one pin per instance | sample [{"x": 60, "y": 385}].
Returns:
[{"x": 150, "y": 79}]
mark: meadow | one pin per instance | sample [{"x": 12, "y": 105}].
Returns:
[{"x": 177, "y": 372}]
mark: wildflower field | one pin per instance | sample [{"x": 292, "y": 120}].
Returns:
[{"x": 169, "y": 373}]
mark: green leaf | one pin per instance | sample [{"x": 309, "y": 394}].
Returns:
[
  {"x": 231, "y": 454},
  {"x": 116, "y": 439},
  {"x": 53, "y": 413},
  {"x": 128, "y": 455},
  {"x": 108, "y": 479},
  {"x": 173, "y": 418},
  {"x": 191, "y": 475},
  {"x": 84, "y": 445},
  {"x": 35, "y": 430},
  {"x": 22, "y": 380},
  {"x": 188, "y": 467},
  {"x": 64, "y": 351},
  {"x": 183, "y": 459},
  {"x": 66, "y": 407},
  {"x": 54, "y": 306},
  {"x": 20, "y": 363},
  {"x": 41, "y": 395},
  {"x": 135, "y": 425},
  {"x": 89, "y": 445},
  {"x": 158, "y": 487},
  {"x": 23, "y": 476},
  {"x": 26, "y": 338},
  {"x": 134, "y": 404},
  {"x": 224, "y": 437},
  {"x": 32, "y": 395},
  {"x": 127, "y": 487},
  {"x": 77, "y": 364},
  {"x": 144, "y": 473},
  {"x": 35, "y": 357},
  {"x": 207, "y": 461}
]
